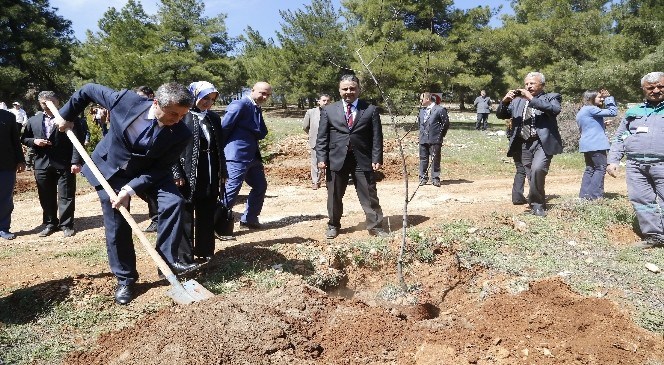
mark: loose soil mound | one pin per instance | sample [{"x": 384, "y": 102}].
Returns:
[{"x": 297, "y": 324}]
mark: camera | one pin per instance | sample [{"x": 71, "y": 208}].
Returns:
[{"x": 516, "y": 92}]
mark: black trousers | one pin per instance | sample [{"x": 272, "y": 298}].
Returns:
[
  {"x": 56, "y": 189},
  {"x": 198, "y": 228},
  {"x": 429, "y": 151},
  {"x": 365, "y": 186}
]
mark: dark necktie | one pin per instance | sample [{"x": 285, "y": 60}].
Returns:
[
  {"x": 527, "y": 127},
  {"x": 349, "y": 115},
  {"x": 144, "y": 140}
]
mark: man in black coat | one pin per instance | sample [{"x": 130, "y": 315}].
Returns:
[
  {"x": 11, "y": 162},
  {"x": 536, "y": 137},
  {"x": 350, "y": 141},
  {"x": 433, "y": 123},
  {"x": 55, "y": 167}
]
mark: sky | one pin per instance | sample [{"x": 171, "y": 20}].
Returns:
[{"x": 261, "y": 15}]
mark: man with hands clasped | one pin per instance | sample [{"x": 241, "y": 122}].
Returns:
[
  {"x": 56, "y": 164},
  {"x": 350, "y": 142}
]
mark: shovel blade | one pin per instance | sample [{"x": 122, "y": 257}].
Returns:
[{"x": 188, "y": 292}]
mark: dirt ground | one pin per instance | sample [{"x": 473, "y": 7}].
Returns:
[{"x": 293, "y": 323}]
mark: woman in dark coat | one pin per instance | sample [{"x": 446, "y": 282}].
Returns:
[{"x": 200, "y": 174}]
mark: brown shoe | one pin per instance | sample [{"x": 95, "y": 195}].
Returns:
[{"x": 315, "y": 186}]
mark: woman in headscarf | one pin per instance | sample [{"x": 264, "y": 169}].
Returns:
[{"x": 200, "y": 174}]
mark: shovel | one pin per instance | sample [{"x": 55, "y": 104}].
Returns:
[{"x": 182, "y": 293}]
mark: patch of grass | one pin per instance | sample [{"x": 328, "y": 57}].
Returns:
[
  {"x": 57, "y": 328},
  {"x": 267, "y": 278},
  {"x": 371, "y": 253},
  {"x": 13, "y": 251},
  {"x": 232, "y": 274},
  {"x": 89, "y": 255},
  {"x": 326, "y": 278},
  {"x": 225, "y": 278}
]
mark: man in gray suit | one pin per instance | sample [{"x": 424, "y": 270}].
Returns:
[
  {"x": 482, "y": 104},
  {"x": 434, "y": 123},
  {"x": 536, "y": 137},
  {"x": 310, "y": 125},
  {"x": 350, "y": 142}
]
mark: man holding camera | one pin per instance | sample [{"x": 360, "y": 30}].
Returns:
[{"x": 536, "y": 137}]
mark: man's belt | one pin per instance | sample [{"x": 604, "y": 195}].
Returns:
[{"x": 645, "y": 157}]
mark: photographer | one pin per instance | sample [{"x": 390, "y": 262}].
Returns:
[{"x": 536, "y": 138}]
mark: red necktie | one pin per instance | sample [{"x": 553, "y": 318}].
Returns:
[{"x": 349, "y": 115}]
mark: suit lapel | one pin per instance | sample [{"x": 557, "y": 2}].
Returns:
[{"x": 39, "y": 128}]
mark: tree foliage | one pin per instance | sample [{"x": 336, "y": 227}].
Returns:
[
  {"x": 35, "y": 51},
  {"x": 411, "y": 46},
  {"x": 313, "y": 46},
  {"x": 178, "y": 44}
]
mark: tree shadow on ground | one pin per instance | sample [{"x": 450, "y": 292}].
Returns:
[
  {"x": 395, "y": 223},
  {"x": 236, "y": 261},
  {"x": 455, "y": 182},
  {"x": 281, "y": 223},
  {"x": 28, "y": 304}
]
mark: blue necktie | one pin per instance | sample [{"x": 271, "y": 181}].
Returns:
[{"x": 144, "y": 140}]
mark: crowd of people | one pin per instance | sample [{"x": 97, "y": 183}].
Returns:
[{"x": 169, "y": 148}]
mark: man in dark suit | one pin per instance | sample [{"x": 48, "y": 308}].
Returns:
[
  {"x": 11, "y": 162},
  {"x": 434, "y": 123},
  {"x": 56, "y": 164},
  {"x": 144, "y": 141},
  {"x": 350, "y": 141},
  {"x": 243, "y": 126},
  {"x": 536, "y": 137}
]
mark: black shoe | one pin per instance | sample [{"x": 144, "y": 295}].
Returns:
[
  {"x": 331, "y": 233},
  {"x": 378, "y": 232},
  {"x": 250, "y": 225},
  {"x": 204, "y": 259},
  {"x": 539, "y": 211},
  {"x": 182, "y": 268},
  {"x": 436, "y": 183},
  {"x": 520, "y": 202},
  {"x": 152, "y": 227},
  {"x": 68, "y": 232},
  {"x": 49, "y": 230},
  {"x": 124, "y": 294},
  {"x": 7, "y": 235},
  {"x": 179, "y": 268},
  {"x": 649, "y": 242}
]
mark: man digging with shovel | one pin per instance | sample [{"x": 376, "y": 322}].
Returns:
[{"x": 145, "y": 139}]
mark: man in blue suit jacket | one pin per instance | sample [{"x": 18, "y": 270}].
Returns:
[
  {"x": 243, "y": 126},
  {"x": 536, "y": 137},
  {"x": 135, "y": 156},
  {"x": 350, "y": 142}
]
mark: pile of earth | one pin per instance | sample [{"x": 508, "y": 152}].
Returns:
[{"x": 299, "y": 324}]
